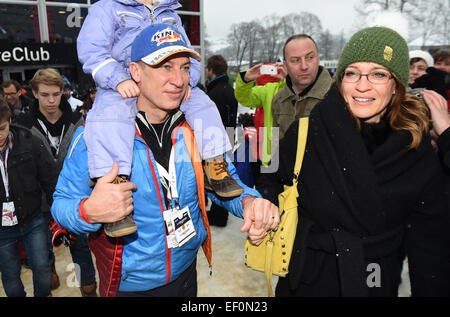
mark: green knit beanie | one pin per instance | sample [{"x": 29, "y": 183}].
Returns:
[{"x": 379, "y": 45}]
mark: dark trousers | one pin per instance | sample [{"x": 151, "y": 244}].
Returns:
[
  {"x": 34, "y": 236},
  {"x": 184, "y": 286},
  {"x": 217, "y": 216}
]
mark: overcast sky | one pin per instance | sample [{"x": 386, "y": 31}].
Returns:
[{"x": 221, "y": 14}]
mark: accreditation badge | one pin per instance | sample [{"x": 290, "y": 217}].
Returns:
[
  {"x": 9, "y": 218},
  {"x": 170, "y": 230},
  {"x": 183, "y": 225},
  {"x": 179, "y": 227}
]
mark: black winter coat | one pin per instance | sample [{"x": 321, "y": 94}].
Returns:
[
  {"x": 364, "y": 202},
  {"x": 443, "y": 143},
  {"x": 220, "y": 91},
  {"x": 31, "y": 171}
]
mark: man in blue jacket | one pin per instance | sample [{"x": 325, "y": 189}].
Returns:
[{"x": 166, "y": 192}]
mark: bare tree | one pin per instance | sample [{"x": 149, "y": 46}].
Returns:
[
  {"x": 238, "y": 41},
  {"x": 207, "y": 44},
  {"x": 428, "y": 20},
  {"x": 253, "y": 31},
  {"x": 305, "y": 23},
  {"x": 272, "y": 37},
  {"x": 262, "y": 40},
  {"x": 326, "y": 44},
  {"x": 431, "y": 19},
  {"x": 245, "y": 39},
  {"x": 339, "y": 45},
  {"x": 365, "y": 6}
]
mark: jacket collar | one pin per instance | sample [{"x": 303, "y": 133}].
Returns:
[
  {"x": 174, "y": 4},
  {"x": 176, "y": 117},
  {"x": 316, "y": 90},
  {"x": 215, "y": 81}
]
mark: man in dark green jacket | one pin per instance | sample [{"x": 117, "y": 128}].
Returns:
[{"x": 306, "y": 84}]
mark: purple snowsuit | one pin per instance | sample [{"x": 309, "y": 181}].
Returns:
[{"x": 104, "y": 49}]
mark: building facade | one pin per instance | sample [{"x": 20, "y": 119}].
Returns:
[{"x": 36, "y": 34}]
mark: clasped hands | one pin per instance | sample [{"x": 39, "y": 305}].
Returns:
[
  {"x": 260, "y": 217},
  {"x": 112, "y": 202}
]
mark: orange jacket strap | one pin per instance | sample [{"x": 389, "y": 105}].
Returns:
[{"x": 198, "y": 169}]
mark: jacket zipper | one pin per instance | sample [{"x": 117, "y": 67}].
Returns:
[
  {"x": 152, "y": 11},
  {"x": 161, "y": 205}
]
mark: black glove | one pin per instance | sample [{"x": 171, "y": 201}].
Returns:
[{"x": 435, "y": 79}]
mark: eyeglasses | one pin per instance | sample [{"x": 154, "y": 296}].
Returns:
[
  {"x": 8, "y": 94},
  {"x": 376, "y": 77}
]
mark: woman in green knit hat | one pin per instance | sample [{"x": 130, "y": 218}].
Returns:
[{"x": 371, "y": 188}]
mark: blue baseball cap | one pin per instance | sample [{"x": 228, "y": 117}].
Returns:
[
  {"x": 157, "y": 42},
  {"x": 67, "y": 84}
]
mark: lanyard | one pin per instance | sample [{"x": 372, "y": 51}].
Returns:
[
  {"x": 170, "y": 176},
  {"x": 52, "y": 139},
  {"x": 4, "y": 171}
]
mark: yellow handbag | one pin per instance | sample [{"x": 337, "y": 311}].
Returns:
[{"x": 272, "y": 256}]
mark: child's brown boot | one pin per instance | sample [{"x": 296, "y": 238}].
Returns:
[
  {"x": 122, "y": 227},
  {"x": 218, "y": 178}
]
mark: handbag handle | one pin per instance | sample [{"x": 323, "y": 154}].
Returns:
[
  {"x": 268, "y": 266},
  {"x": 301, "y": 146}
]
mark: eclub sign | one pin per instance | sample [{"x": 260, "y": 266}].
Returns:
[
  {"x": 37, "y": 54},
  {"x": 23, "y": 54}
]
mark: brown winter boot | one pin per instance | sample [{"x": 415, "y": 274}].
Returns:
[
  {"x": 218, "y": 178},
  {"x": 122, "y": 227},
  {"x": 89, "y": 290}
]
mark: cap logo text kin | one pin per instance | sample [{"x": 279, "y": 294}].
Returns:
[{"x": 166, "y": 36}]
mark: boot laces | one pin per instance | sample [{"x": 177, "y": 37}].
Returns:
[{"x": 221, "y": 167}]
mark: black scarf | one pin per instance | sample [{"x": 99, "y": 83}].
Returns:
[{"x": 375, "y": 134}]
